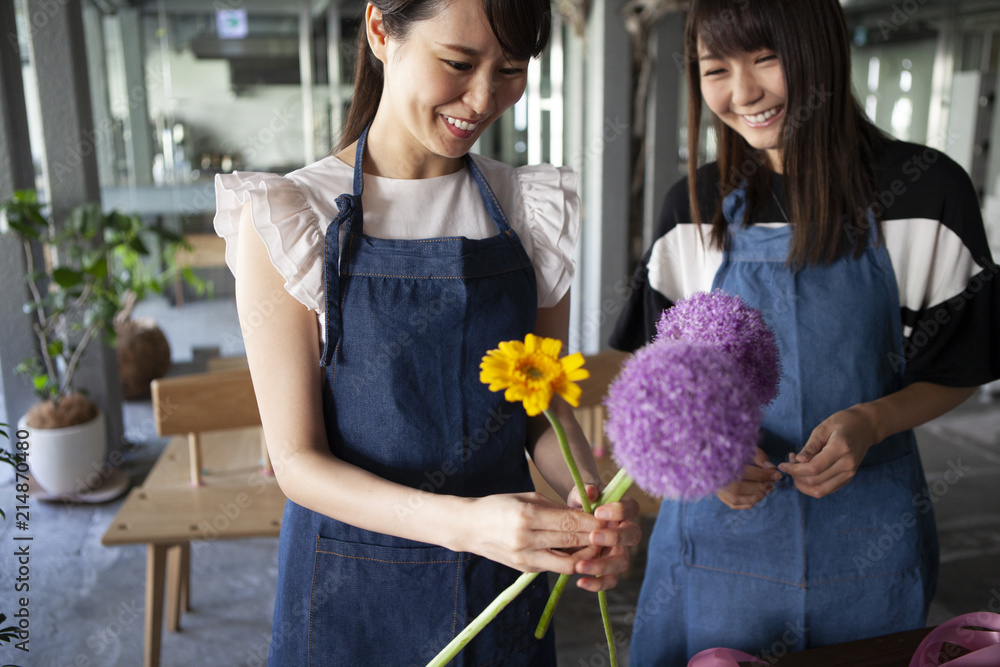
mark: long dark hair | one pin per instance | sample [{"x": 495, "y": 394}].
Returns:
[
  {"x": 521, "y": 27},
  {"x": 827, "y": 143}
]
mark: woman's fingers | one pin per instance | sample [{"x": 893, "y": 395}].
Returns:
[
  {"x": 761, "y": 459},
  {"x": 622, "y": 534},
  {"x": 596, "y": 584},
  {"x": 532, "y": 533},
  {"x": 758, "y": 475},
  {"x": 745, "y": 494},
  {"x": 602, "y": 574},
  {"x": 623, "y": 510}
]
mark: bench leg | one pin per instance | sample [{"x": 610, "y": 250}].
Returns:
[
  {"x": 156, "y": 561},
  {"x": 175, "y": 584},
  {"x": 194, "y": 452},
  {"x": 186, "y": 577}
]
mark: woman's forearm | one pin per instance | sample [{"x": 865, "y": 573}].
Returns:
[
  {"x": 321, "y": 482},
  {"x": 912, "y": 406},
  {"x": 547, "y": 456}
]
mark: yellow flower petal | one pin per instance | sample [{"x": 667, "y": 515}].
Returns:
[
  {"x": 570, "y": 393},
  {"x": 531, "y": 371},
  {"x": 550, "y": 347}
]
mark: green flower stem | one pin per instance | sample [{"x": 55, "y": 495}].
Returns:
[
  {"x": 609, "y": 633},
  {"x": 481, "y": 621},
  {"x": 550, "y": 606},
  {"x": 612, "y": 493},
  {"x": 570, "y": 461},
  {"x": 615, "y": 490},
  {"x": 557, "y": 592}
]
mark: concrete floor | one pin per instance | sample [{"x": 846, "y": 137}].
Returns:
[{"x": 86, "y": 601}]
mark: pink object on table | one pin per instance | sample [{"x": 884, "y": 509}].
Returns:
[
  {"x": 984, "y": 644},
  {"x": 722, "y": 657}
]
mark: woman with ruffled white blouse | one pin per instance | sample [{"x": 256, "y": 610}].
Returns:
[{"x": 410, "y": 503}]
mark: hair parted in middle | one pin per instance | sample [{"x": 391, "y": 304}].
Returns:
[
  {"x": 521, "y": 27},
  {"x": 827, "y": 143}
]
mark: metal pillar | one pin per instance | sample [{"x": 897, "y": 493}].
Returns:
[
  {"x": 944, "y": 72},
  {"x": 16, "y": 173},
  {"x": 138, "y": 128},
  {"x": 605, "y": 165},
  {"x": 60, "y": 57},
  {"x": 334, "y": 76},
  {"x": 662, "y": 118},
  {"x": 306, "y": 74}
]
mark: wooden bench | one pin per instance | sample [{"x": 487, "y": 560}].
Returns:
[{"x": 214, "y": 484}]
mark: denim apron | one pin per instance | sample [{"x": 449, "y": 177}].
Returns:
[
  {"x": 795, "y": 571},
  {"x": 407, "y": 323}
]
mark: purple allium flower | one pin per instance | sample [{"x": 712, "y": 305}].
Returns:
[
  {"x": 682, "y": 419},
  {"x": 726, "y": 322}
]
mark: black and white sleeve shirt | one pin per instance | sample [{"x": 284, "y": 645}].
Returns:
[{"x": 949, "y": 285}]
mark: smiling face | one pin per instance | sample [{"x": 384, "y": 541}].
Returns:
[
  {"x": 746, "y": 90},
  {"x": 444, "y": 84}
]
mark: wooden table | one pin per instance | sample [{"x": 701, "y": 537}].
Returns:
[
  {"x": 894, "y": 650},
  {"x": 166, "y": 513}
]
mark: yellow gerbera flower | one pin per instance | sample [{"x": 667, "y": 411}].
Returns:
[{"x": 532, "y": 371}]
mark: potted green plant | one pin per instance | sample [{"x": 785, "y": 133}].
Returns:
[
  {"x": 91, "y": 265},
  {"x": 142, "y": 348}
]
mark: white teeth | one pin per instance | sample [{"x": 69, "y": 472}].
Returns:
[
  {"x": 461, "y": 124},
  {"x": 763, "y": 117}
]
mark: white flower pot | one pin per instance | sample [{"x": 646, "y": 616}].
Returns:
[{"x": 63, "y": 460}]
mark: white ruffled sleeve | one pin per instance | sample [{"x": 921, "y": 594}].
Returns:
[
  {"x": 552, "y": 216},
  {"x": 288, "y": 225}
]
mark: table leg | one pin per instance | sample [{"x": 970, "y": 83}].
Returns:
[
  {"x": 186, "y": 577},
  {"x": 156, "y": 561},
  {"x": 174, "y": 564}
]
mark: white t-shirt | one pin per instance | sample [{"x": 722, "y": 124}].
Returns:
[{"x": 291, "y": 213}]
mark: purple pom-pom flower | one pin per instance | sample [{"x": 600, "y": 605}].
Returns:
[
  {"x": 682, "y": 419},
  {"x": 726, "y": 322}
]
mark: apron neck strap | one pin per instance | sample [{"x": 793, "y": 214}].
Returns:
[
  {"x": 493, "y": 206},
  {"x": 350, "y": 215}
]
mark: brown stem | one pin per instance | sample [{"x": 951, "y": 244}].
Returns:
[
  {"x": 75, "y": 359},
  {"x": 29, "y": 260},
  {"x": 82, "y": 299},
  {"x": 50, "y": 370},
  {"x": 131, "y": 299}
]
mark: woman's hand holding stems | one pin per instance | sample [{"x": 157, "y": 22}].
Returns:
[
  {"x": 835, "y": 449},
  {"x": 531, "y": 533}
]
